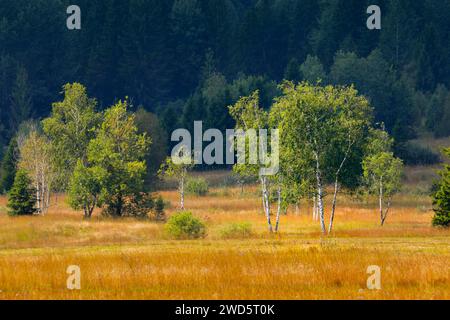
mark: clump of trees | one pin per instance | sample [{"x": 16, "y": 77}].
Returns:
[
  {"x": 441, "y": 198},
  {"x": 99, "y": 158},
  {"x": 326, "y": 134}
]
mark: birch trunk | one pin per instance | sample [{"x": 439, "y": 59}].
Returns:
[
  {"x": 266, "y": 202},
  {"x": 333, "y": 207},
  {"x": 182, "y": 193},
  {"x": 320, "y": 195},
  {"x": 278, "y": 209},
  {"x": 381, "y": 201},
  {"x": 314, "y": 208}
]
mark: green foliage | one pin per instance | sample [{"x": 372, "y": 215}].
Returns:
[
  {"x": 441, "y": 198},
  {"x": 9, "y": 166},
  {"x": 383, "y": 170},
  {"x": 237, "y": 231},
  {"x": 118, "y": 151},
  {"x": 70, "y": 128},
  {"x": 323, "y": 131},
  {"x": 85, "y": 188},
  {"x": 22, "y": 197},
  {"x": 197, "y": 186},
  {"x": 325, "y": 124},
  {"x": 184, "y": 225},
  {"x": 248, "y": 115},
  {"x": 154, "y": 51},
  {"x": 139, "y": 205}
]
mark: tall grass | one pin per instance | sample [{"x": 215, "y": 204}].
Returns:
[{"x": 129, "y": 259}]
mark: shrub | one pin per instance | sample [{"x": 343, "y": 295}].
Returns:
[
  {"x": 139, "y": 205},
  {"x": 236, "y": 230},
  {"x": 159, "y": 213},
  {"x": 22, "y": 197},
  {"x": 184, "y": 225},
  {"x": 198, "y": 186}
]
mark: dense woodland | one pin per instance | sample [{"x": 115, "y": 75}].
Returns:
[{"x": 187, "y": 60}]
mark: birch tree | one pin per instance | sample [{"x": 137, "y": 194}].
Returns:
[
  {"x": 381, "y": 170},
  {"x": 70, "y": 127},
  {"x": 37, "y": 159},
  {"x": 251, "y": 119},
  {"x": 383, "y": 173},
  {"x": 323, "y": 128},
  {"x": 179, "y": 170}
]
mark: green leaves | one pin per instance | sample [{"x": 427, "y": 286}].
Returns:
[
  {"x": 108, "y": 151},
  {"x": 70, "y": 128},
  {"x": 383, "y": 170}
]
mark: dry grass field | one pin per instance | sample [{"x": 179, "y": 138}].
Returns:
[{"x": 129, "y": 259}]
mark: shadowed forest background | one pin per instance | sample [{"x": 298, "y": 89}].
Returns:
[{"x": 186, "y": 60}]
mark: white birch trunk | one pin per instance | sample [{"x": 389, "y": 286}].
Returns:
[
  {"x": 320, "y": 195},
  {"x": 278, "y": 209},
  {"x": 266, "y": 202},
  {"x": 182, "y": 193}
]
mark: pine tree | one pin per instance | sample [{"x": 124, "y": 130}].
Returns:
[
  {"x": 441, "y": 199},
  {"x": 22, "y": 198}
]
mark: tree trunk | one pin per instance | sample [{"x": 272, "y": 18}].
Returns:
[
  {"x": 315, "y": 208},
  {"x": 381, "y": 201},
  {"x": 333, "y": 207},
  {"x": 320, "y": 196},
  {"x": 383, "y": 219},
  {"x": 38, "y": 198},
  {"x": 182, "y": 193},
  {"x": 266, "y": 202},
  {"x": 278, "y": 209}
]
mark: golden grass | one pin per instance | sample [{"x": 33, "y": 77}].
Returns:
[{"x": 129, "y": 259}]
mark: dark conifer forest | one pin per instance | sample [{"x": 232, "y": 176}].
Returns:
[{"x": 187, "y": 60}]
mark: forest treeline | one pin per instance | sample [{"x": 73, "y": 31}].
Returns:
[{"x": 187, "y": 60}]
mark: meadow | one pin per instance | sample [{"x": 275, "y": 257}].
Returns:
[{"x": 134, "y": 259}]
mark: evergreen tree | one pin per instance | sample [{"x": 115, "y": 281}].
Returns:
[
  {"x": 441, "y": 199},
  {"x": 22, "y": 197}
]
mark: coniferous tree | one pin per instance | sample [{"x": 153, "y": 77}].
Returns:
[
  {"x": 441, "y": 199},
  {"x": 22, "y": 197}
]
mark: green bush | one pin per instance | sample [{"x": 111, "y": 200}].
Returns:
[
  {"x": 198, "y": 186},
  {"x": 237, "y": 230},
  {"x": 22, "y": 197},
  {"x": 184, "y": 225}
]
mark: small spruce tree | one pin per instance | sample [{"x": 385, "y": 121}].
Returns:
[
  {"x": 441, "y": 199},
  {"x": 22, "y": 197}
]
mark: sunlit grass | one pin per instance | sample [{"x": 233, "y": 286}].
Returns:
[{"x": 129, "y": 259}]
